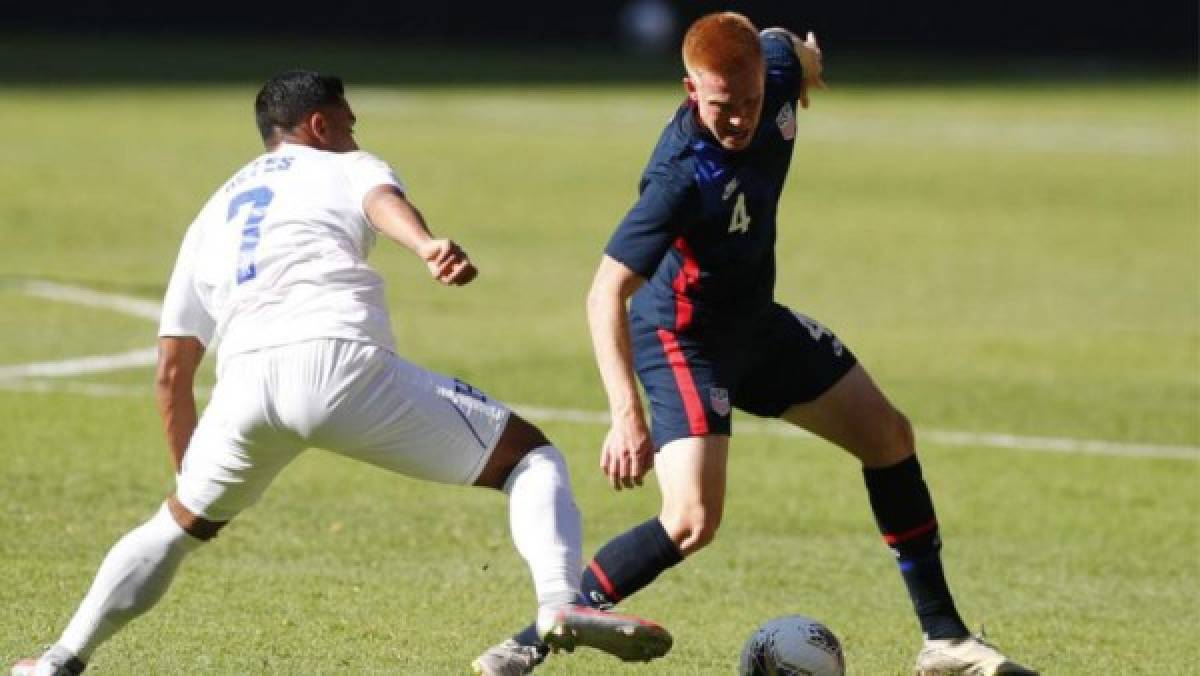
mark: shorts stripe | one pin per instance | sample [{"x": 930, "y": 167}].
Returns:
[
  {"x": 685, "y": 279},
  {"x": 697, "y": 420},
  {"x": 907, "y": 535},
  {"x": 467, "y": 422},
  {"x": 606, "y": 584}
]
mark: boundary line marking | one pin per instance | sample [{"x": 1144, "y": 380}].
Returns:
[
  {"x": 81, "y": 365},
  {"x": 932, "y": 436},
  {"x": 34, "y": 377},
  {"x": 129, "y": 305}
]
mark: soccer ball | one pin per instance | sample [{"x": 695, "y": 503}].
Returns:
[{"x": 792, "y": 645}]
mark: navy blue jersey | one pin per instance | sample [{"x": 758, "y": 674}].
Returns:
[{"x": 703, "y": 229}]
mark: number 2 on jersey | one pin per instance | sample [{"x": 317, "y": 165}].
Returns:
[
  {"x": 740, "y": 220},
  {"x": 249, "y": 208}
]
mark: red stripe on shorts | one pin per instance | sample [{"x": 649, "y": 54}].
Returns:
[
  {"x": 685, "y": 279},
  {"x": 697, "y": 420}
]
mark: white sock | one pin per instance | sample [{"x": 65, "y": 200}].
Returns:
[
  {"x": 545, "y": 525},
  {"x": 134, "y": 575}
]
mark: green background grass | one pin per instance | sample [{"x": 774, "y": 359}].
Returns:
[{"x": 1021, "y": 257}]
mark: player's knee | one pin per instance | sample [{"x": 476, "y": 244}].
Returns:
[
  {"x": 192, "y": 524},
  {"x": 899, "y": 443},
  {"x": 692, "y": 528},
  {"x": 523, "y": 435},
  {"x": 516, "y": 441},
  {"x": 905, "y": 442},
  {"x": 890, "y": 442}
]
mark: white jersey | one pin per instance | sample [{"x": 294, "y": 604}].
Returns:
[{"x": 278, "y": 256}]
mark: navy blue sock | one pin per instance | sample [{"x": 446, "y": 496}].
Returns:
[
  {"x": 628, "y": 563},
  {"x": 622, "y": 567},
  {"x": 904, "y": 513}
]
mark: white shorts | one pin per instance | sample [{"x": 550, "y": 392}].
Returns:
[{"x": 359, "y": 400}]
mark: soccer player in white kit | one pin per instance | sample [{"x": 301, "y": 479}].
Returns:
[{"x": 275, "y": 268}]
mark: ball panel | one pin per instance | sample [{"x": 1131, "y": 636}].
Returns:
[{"x": 792, "y": 645}]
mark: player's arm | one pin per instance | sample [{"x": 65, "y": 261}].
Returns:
[
  {"x": 392, "y": 214},
  {"x": 174, "y": 381},
  {"x": 184, "y": 328},
  {"x": 633, "y": 253},
  {"x": 628, "y": 453},
  {"x": 808, "y": 53}
]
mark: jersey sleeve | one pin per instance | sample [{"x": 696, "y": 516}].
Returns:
[
  {"x": 653, "y": 223},
  {"x": 183, "y": 313},
  {"x": 365, "y": 172},
  {"x": 783, "y": 64}
]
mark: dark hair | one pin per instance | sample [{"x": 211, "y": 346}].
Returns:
[{"x": 286, "y": 98}]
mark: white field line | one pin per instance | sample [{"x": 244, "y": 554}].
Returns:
[
  {"x": 84, "y": 365},
  {"x": 932, "y": 436},
  {"x": 542, "y": 414},
  {"x": 105, "y": 390},
  {"x": 81, "y": 365},
  {"x": 17, "y": 378},
  {"x": 98, "y": 299}
]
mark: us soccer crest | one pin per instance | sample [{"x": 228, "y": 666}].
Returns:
[
  {"x": 719, "y": 398},
  {"x": 786, "y": 121}
]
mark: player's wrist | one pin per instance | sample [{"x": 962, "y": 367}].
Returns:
[
  {"x": 626, "y": 413},
  {"x": 424, "y": 246},
  {"x": 808, "y": 55}
]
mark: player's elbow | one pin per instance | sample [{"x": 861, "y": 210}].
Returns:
[
  {"x": 599, "y": 299},
  {"x": 613, "y": 284},
  {"x": 169, "y": 376},
  {"x": 178, "y": 359}
]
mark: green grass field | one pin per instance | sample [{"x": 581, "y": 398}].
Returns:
[{"x": 1017, "y": 258}]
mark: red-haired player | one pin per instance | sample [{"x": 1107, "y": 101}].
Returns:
[{"x": 703, "y": 333}]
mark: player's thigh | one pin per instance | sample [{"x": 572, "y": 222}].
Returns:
[
  {"x": 237, "y": 450},
  {"x": 795, "y": 360},
  {"x": 855, "y": 415},
  {"x": 686, "y": 384},
  {"x": 691, "y": 476},
  {"x": 416, "y": 422}
]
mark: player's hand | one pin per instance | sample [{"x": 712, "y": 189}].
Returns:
[
  {"x": 447, "y": 262},
  {"x": 627, "y": 454},
  {"x": 809, "y": 53}
]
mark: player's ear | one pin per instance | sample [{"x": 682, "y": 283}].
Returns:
[
  {"x": 318, "y": 125},
  {"x": 689, "y": 85}
]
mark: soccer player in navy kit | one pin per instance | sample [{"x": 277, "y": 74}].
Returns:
[{"x": 704, "y": 335}]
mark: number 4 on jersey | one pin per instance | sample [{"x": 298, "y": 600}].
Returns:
[{"x": 740, "y": 221}]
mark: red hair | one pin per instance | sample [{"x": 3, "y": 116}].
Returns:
[{"x": 724, "y": 42}]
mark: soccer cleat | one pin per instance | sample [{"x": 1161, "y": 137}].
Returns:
[
  {"x": 970, "y": 656},
  {"x": 625, "y": 637},
  {"x": 509, "y": 659},
  {"x": 54, "y": 662}
]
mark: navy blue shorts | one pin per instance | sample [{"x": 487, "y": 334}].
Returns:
[{"x": 694, "y": 381}]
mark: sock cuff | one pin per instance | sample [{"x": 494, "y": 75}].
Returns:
[
  {"x": 163, "y": 525},
  {"x": 544, "y": 453},
  {"x": 909, "y": 466},
  {"x": 654, "y": 533}
]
